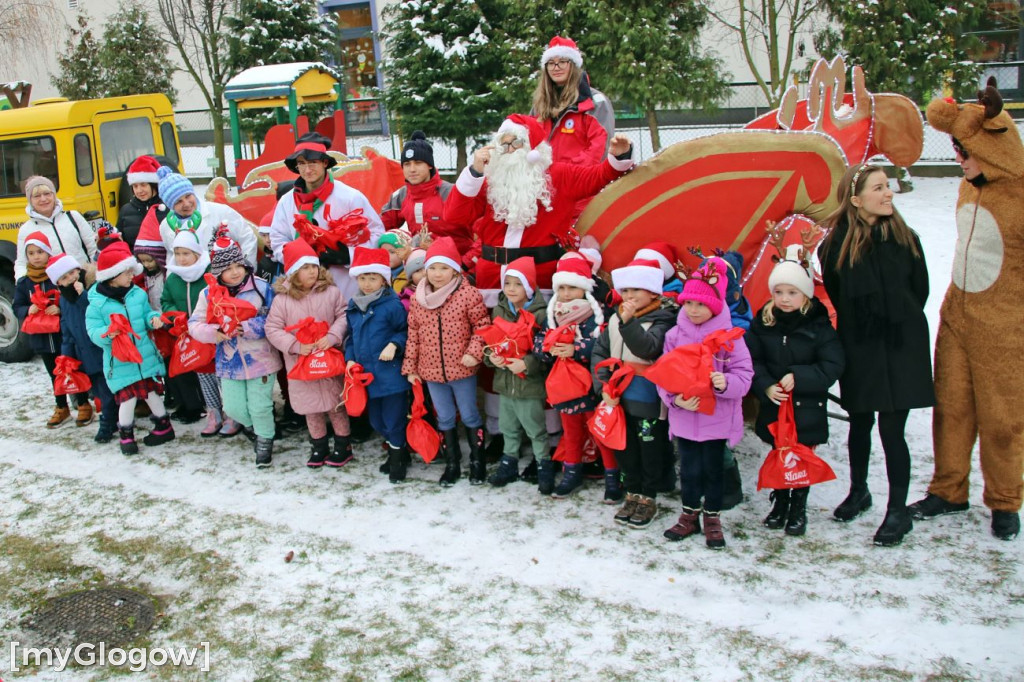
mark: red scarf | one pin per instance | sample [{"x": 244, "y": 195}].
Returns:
[{"x": 308, "y": 203}]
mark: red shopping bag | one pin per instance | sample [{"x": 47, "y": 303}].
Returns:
[
  {"x": 188, "y": 355},
  {"x": 122, "y": 345},
  {"x": 67, "y": 380},
  {"x": 790, "y": 464},
  {"x": 509, "y": 340},
  {"x": 686, "y": 370},
  {"x": 320, "y": 364},
  {"x": 39, "y": 322},
  {"x": 422, "y": 438},
  {"x": 354, "y": 395},
  {"x": 608, "y": 423},
  {"x": 223, "y": 309}
]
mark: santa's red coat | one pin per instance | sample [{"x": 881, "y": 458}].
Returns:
[{"x": 468, "y": 202}]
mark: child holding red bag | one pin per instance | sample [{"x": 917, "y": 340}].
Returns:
[
  {"x": 636, "y": 334},
  {"x": 700, "y": 439},
  {"x": 246, "y": 362},
  {"x": 37, "y": 253},
  {"x": 307, "y": 290},
  {"x": 797, "y": 356},
  {"x": 572, "y": 304},
  {"x": 377, "y": 336},
  {"x": 114, "y": 294},
  {"x": 444, "y": 352}
]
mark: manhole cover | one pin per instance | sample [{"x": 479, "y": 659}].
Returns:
[{"x": 114, "y": 616}]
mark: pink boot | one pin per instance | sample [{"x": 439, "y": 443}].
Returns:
[
  {"x": 230, "y": 428},
  {"x": 213, "y": 423}
]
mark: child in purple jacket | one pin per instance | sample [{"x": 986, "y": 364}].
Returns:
[{"x": 700, "y": 439}]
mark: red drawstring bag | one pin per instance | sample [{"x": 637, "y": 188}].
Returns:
[
  {"x": 224, "y": 310},
  {"x": 188, "y": 355},
  {"x": 568, "y": 380},
  {"x": 122, "y": 346},
  {"x": 162, "y": 338},
  {"x": 790, "y": 464},
  {"x": 509, "y": 340},
  {"x": 351, "y": 229},
  {"x": 422, "y": 438},
  {"x": 67, "y": 380},
  {"x": 320, "y": 364},
  {"x": 608, "y": 423},
  {"x": 354, "y": 396},
  {"x": 686, "y": 370},
  {"x": 39, "y": 322}
]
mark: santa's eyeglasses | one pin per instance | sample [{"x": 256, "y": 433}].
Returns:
[{"x": 509, "y": 146}]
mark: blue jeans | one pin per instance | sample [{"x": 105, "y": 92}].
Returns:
[{"x": 461, "y": 394}]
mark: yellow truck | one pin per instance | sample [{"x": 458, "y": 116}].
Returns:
[{"x": 85, "y": 147}]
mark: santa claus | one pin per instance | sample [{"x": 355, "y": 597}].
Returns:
[{"x": 521, "y": 202}]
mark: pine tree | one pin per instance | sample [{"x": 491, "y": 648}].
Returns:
[
  {"x": 134, "y": 55},
  {"x": 911, "y": 47},
  {"x": 278, "y": 32},
  {"x": 447, "y": 70},
  {"x": 81, "y": 73}
]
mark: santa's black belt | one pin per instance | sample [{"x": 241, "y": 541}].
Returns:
[{"x": 503, "y": 256}]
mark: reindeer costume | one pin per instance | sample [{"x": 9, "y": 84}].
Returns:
[{"x": 979, "y": 353}]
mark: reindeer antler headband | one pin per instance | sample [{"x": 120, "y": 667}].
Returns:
[{"x": 809, "y": 238}]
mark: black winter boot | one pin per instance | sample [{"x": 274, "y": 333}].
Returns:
[
  {"x": 318, "y": 452},
  {"x": 106, "y": 431},
  {"x": 857, "y": 501},
  {"x": 452, "y": 458},
  {"x": 341, "y": 454},
  {"x": 162, "y": 432},
  {"x": 529, "y": 474},
  {"x": 572, "y": 480},
  {"x": 776, "y": 518},
  {"x": 477, "y": 465},
  {"x": 1005, "y": 524},
  {"x": 128, "y": 444},
  {"x": 495, "y": 448},
  {"x": 508, "y": 471},
  {"x": 396, "y": 463},
  {"x": 796, "y": 519},
  {"x": 264, "y": 449},
  {"x": 613, "y": 492},
  {"x": 933, "y": 505},
  {"x": 897, "y": 523},
  {"x": 546, "y": 476}
]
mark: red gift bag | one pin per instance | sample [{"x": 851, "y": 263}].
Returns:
[
  {"x": 224, "y": 310},
  {"x": 608, "y": 423},
  {"x": 162, "y": 338},
  {"x": 568, "y": 380},
  {"x": 320, "y": 364},
  {"x": 354, "y": 395},
  {"x": 351, "y": 229},
  {"x": 509, "y": 340},
  {"x": 39, "y": 322},
  {"x": 188, "y": 355},
  {"x": 422, "y": 438},
  {"x": 122, "y": 345},
  {"x": 686, "y": 370},
  {"x": 790, "y": 464},
  {"x": 67, "y": 380}
]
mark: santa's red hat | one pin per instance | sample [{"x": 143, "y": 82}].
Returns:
[
  {"x": 60, "y": 265},
  {"x": 562, "y": 47},
  {"x": 371, "y": 261},
  {"x": 38, "y": 239},
  {"x": 664, "y": 254},
  {"x": 574, "y": 272},
  {"x": 639, "y": 274},
  {"x": 527, "y": 129},
  {"x": 265, "y": 222},
  {"x": 149, "y": 242},
  {"x": 143, "y": 169},
  {"x": 443, "y": 251},
  {"x": 525, "y": 270},
  {"x": 114, "y": 260},
  {"x": 297, "y": 253}
]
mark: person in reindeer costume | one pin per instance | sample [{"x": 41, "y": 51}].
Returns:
[
  {"x": 979, "y": 352},
  {"x": 524, "y": 202}
]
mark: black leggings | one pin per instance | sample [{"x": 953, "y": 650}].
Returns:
[
  {"x": 891, "y": 427},
  {"x": 50, "y": 363},
  {"x": 701, "y": 466}
]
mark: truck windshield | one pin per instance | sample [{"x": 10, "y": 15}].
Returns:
[
  {"x": 22, "y": 158},
  {"x": 122, "y": 141}
]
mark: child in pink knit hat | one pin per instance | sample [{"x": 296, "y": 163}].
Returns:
[{"x": 701, "y": 438}]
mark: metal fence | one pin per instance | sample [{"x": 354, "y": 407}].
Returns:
[{"x": 365, "y": 123}]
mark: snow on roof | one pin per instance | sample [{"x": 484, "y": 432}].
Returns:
[{"x": 276, "y": 74}]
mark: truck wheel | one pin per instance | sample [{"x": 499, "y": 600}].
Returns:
[{"x": 13, "y": 344}]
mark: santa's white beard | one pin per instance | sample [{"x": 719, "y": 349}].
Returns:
[{"x": 514, "y": 186}]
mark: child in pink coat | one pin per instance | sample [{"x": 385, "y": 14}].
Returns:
[
  {"x": 700, "y": 439},
  {"x": 307, "y": 290}
]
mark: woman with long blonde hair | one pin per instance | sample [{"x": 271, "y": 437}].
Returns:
[{"x": 874, "y": 271}]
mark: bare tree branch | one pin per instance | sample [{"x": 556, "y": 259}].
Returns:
[{"x": 24, "y": 25}]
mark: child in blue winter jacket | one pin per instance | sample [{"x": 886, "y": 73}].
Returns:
[
  {"x": 701, "y": 439},
  {"x": 378, "y": 330},
  {"x": 73, "y": 281},
  {"x": 114, "y": 293}
]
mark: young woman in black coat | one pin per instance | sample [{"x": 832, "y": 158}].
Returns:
[
  {"x": 875, "y": 274},
  {"x": 797, "y": 356}
]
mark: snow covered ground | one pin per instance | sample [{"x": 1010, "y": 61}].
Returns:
[{"x": 416, "y": 582}]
